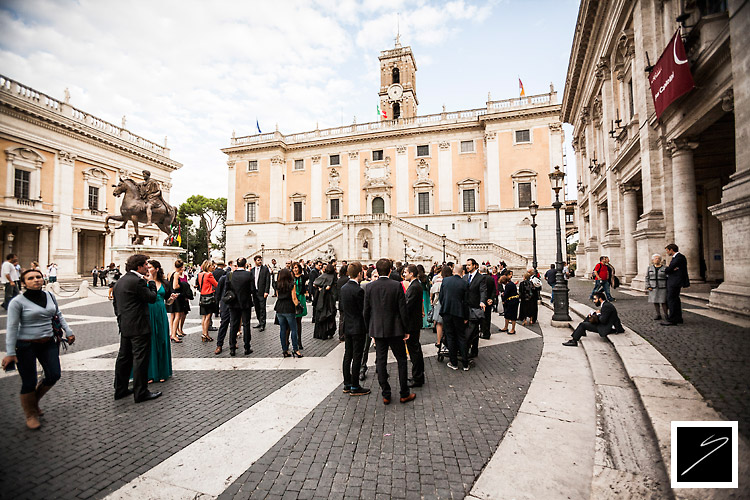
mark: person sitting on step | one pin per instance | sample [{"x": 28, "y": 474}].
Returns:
[{"x": 605, "y": 322}]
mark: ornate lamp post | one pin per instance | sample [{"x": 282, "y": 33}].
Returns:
[
  {"x": 405, "y": 243},
  {"x": 533, "y": 208},
  {"x": 262, "y": 251},
  {"x": 557, "y": 180},
  {"x": 443, "y": 238}
]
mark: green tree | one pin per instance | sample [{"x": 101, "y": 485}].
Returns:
[{"x": 210, "y": 212}]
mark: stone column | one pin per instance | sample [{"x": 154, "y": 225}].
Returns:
[
  {"x": 685, "y": 204},
  {"x": 603, "y": 222},
  {"x": 76, "y": 232},
  {"x": 108, "y": 248},
  {"x": 43, "y": 247},
  {"x": 630, "y": 218}
]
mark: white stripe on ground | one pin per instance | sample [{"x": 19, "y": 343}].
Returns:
[
  {"x": 208, "y": 466},
  {"x": 549, "y": 447}
]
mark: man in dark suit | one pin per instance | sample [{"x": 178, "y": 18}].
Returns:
[
  {"x": 677, "y": 278},
  {"x": 261, "y": 288},
  {"x": 385, "y": 316},
  {"x": 313, "y": 292},
  {"x": 131, "y": 297},
  {"x": 454, "y": 310},
  {"x": 607, "y": 321},
  {"x": 486, "y": 323},
  {"x": 476, "y": 298},
  {"x": 413, "y": 323},
  {"x": 224, "y": 313},
  {"x": 241, "y": 309},
  {"x": 351, "y": 301},
  {"x": 395, "y": 272}
]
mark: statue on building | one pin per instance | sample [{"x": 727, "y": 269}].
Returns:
[
  {"x": 417, "y": 254},
  {"x": 142, "y": 202}
]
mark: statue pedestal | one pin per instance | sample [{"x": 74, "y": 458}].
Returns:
[{"x": 165, "y": 255}]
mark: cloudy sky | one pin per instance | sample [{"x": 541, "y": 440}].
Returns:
[{"x": 195, "y": 71}]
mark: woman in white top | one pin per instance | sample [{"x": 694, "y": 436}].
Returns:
[
  {"x": 437, "y": 282},
  {"x": 30, "y": 338}
]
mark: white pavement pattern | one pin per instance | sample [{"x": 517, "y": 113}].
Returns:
[{"x": 205, "y": 468}]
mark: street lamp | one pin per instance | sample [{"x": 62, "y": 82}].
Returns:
[
  {"x": 533, "y": 209},
  {"x": 443, "y": 238},
  {"x": 560, "y": 290},
  {"x": 405, "y": 242},
  {"x": 262, "y": 250}
]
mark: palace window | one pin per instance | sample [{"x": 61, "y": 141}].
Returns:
[
  {"x": 297, "y": 211},
  {"x": 22, "y": 187},
  {"x": 378, "y": 205},
  {"x": 424, "y": 203},
  {"x": 252, "y": 166},
  {"x": 569, "y": 218},
  {"x": 252, "y": 211},
  {"x": 93, "y": 198},
  {"x": 467, "y": 146},
  {"x": 396, "y": 110},
  {"x": 524, "y": 187},
  {"x": 335, "y": 208},
  {"x": 524, "y": 194},
  {"x": 469, "y": 200},
  {"x": 299, "y": 164},
  {"x": 396, "y": 76},
  {"x": 523, "y": 136},
  {"x": 377, "y": 155},
  {"x": 334, "y": 160},
  {"x": 423, "y": 150}
]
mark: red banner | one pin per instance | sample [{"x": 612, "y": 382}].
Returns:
[{"x": 670, "y": 78}]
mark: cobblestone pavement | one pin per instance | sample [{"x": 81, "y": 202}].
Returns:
[
  {"x": 91, "y": 445},
  {"x": 713, "y": 355}
]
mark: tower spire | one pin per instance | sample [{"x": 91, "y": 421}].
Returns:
[{"x": 398, "y": 29}]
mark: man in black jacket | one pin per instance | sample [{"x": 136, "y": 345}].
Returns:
[
  {"x": 476, "y": 297},
  {"x": 485, "y": 325},
  {"x": 608, "y": 321},
  {"x": 455, "y": 313},
  {"x": 241, "y": 309},
  {"x": 132, "y": 295},
  {"x": 385, "y": 317},
  {"x": 677, "y": 278},
  {"x": 224, "y": 313},
  {"x": 261, "y": 289},
  {"x": 352, "y": 301},
  {"x": 414, "y": 315}
]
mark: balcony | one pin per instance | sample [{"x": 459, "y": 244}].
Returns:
[{"x": 25, "y": 202}]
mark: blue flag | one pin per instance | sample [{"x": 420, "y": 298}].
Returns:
[{"x": 258, "y": 126}]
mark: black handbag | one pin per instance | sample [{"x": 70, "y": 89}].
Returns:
[
  {"x": 476, "y": 314},
  {"x": 229, "y": 296},
  {"x": 207, "y": 300},
  {"x": 298, "y": 309}
]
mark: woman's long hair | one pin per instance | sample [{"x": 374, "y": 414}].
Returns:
[
  {"x": 285, "y": 281},
  {"x": 159, "y": 271}
]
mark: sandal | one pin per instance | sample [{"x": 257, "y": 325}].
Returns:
[
  {"x": 205, "y": 338},
  {"x": 176, "y": 340},
  {"x": 503, "y": 329}
]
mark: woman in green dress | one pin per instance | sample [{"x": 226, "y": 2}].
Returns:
[
  {"x": 300, "y": 288},
  {"x": 160, "y": 363},
  {"x": 424, "y": 280}
]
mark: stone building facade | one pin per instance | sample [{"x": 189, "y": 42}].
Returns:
[
  {"x": 645, "y": 181},
  {"x": 395, "y": 187},
  {"x": 57, "y": 180}
]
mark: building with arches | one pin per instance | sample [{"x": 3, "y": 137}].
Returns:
[
  {"x": 394, "y": 187},
  {"x": 57, "y": 180}
]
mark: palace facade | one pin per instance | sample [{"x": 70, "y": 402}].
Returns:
[
  {"x": 644, "y": 181},
  {"x": 406, "y": 186},
  {"x": 57, "y": 180}
]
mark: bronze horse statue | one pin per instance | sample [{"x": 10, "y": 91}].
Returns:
[{"x": 133, "y": 209}]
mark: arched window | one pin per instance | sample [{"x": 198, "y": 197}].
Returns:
[
  {"x": 396, "y": 75},
  {"x": 378, "y": 205},
  {"x": 396, "y": 110}
]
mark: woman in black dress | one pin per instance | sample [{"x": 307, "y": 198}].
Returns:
[
  {"x": 510, "y": 304},
  {"x": 529, "y": 302},
  {"x": 325, "y": 305}
]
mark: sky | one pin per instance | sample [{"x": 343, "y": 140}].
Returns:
[{"x": 197, "y": 71}]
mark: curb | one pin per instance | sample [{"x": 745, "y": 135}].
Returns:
[{"x": 666, "y": 396}]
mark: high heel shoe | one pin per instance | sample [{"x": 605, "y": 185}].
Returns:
[
  {"x": 176, "y": 340},
  {"x": 297, "y": 354},
  {"x": 286, "y": 354},
  {"x": 205, "y": 338}
]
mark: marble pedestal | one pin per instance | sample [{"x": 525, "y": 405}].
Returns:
[{"x": 165, "y": 255}]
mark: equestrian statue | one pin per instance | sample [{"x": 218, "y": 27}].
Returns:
[{"x": 142, "y": 203}]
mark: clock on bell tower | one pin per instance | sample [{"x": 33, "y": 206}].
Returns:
[{"x": 398, "y": 91}]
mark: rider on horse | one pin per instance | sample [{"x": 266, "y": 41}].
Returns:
[{"x": 150, "y": 192}]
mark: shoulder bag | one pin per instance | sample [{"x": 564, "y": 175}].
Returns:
[
  {"x": 229, "y": 296},
  {"x": 206, "y": 300},
  {"x": 57, "y": 329}
]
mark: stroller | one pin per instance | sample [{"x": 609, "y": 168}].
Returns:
[{"x": 443, "y": 350}]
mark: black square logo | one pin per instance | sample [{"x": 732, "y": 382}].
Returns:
[{"x": 704, "y": 454}]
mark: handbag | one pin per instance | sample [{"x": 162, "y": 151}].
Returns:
[
  {"x": 298, "y": 309},
  {"x": 229, "y": 296},
  {"x": 207, "y": 300},
  {"x": 476, "y": 314},
  {"x": 57, "y": 329}
]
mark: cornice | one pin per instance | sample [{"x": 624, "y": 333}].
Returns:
[{"x": 75, "y": 130}]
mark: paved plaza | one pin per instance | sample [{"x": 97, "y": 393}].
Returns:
[{"x": 532, "y": 419}]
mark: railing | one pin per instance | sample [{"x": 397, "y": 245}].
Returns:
[
  {"x": 367, "y": 218},
  {"x": 452, "y": 246},
  {"x": 505, "y": 254},
  {"x": 26, "y": 202},
  {"x": 44, "y": 101},
  {"x": 314, "y": 241},
  {"x": 402, "y": 123}
]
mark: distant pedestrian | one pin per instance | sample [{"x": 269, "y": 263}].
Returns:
[
  {"x": 352, "y": 300},
  {"x": 132, "y": 295},
  {"x": 52, "y": 273},
  {"x": 551, "y": 278},
  {"x": 385, "y": 316},
  {"x": 95, "y": 276},
  {"x": 656, "y": 283},
  {"x": 103, "y": 276},
  {"x": 510, "y": 304},
  {"x": 605, "y": 322},
  {"x": 10, "y": 277},
  {"x": 30, "y": 338},
  {"x": 601, "y": 277},
  {"x": 677, "y": 279}
]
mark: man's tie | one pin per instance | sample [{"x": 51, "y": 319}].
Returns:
[{"x": 470, "y": 275}]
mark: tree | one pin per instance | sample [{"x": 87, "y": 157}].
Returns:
[{"x": 211, "y": 213}]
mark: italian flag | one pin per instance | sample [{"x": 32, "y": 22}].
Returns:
[{"x": 382, "y": 113}]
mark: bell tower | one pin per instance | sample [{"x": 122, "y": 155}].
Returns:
[{"x": 398, "y": 90}]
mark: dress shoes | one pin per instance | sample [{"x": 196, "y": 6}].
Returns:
[
  {"x": 667, "y": 323},
  {"x": 149, "y": 397},
  {"x": 571, "y": 343},
  {"x": 363, "y": 375},
  {"x": 218, "y": 350},
  {"x": 262, "y": 328},
  {"x": 232, "y": 351},
  {"x": 124, "y": 394},
  {"x": 359, "y": 391},
  {"x": 386, "y": 401},
  {"x": 410, "y": 397},
  {"x": 415, "y": 383},
  {"x": 248, "y": 351},
  {"x": 258, "y": 326}
]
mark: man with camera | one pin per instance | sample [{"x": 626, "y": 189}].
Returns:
[{"x": 605, "y": 322}]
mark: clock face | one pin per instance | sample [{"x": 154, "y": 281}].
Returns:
[{"x": 395, "y": 92}]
